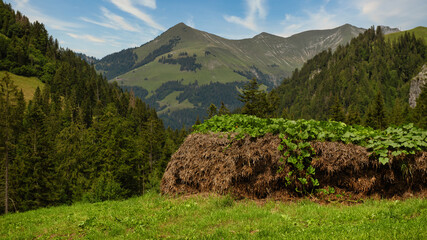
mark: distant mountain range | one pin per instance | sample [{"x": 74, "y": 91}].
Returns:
[
  {"x": 419, "y": 32},
  {"x": 184, "y": 70},
  {"x": 88, "y": 59}
]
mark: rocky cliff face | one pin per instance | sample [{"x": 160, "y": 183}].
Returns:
[
  {"x": 387, "y": 30},
  {"x": 416, "y": 86}
]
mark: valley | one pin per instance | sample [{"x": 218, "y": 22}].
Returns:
[
  {"x": 319, "y": 135},
  {"x": 267, "y": 57}
]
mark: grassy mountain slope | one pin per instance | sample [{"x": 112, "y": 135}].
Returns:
[
  {"x": 27, "y": 84},
  {"x": 153, "y": 217},
  {"x": 191, "y": 56},
  {"x": 272, "y": 55},
  {"x": 420, "y": 32}
]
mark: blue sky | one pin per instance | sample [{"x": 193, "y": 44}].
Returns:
[{"x": 100, "y": 27}]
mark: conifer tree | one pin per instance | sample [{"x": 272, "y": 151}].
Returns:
[
  {"x": 337, "y": 111},
  {"x": 251, "y": 98},
  {"x": 284, "y": 114},
  {"x": 376, "y": 114},
  {"x": 212, "y": 111},
  {"x": 34, "y": 160},
  {"x": 73, "y": 147},
  {"x": 223, "y": 110},
  {"x": 257, "y": 102},
  {"x": 353, "y": 116},
  {"x": 12, "y": 108},
  {"x": 397, "y": 116},
  {"x": 198, "y": 122}
]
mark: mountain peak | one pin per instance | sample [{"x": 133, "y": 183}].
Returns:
[
  {"x": 263, "y": 34},
  {"x": 386, "y": 29},
  {"x": 347, "y": 25},
  {"x": 180, "y": 25},
  {"x": 180, "y": 29}
]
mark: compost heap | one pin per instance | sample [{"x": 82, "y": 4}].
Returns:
[{"x": 249, "y": 168}]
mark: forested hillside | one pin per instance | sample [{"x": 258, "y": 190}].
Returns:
[
  {"x": 365, "y": 82},
  {"x": 79, "y": 137}
]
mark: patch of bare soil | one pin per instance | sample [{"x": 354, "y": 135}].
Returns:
[{"x": 250, "y": 168}]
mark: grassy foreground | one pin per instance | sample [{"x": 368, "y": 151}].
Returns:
[{"x": 210, "y": 217}]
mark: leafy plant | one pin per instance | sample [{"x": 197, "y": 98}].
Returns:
[
  {"x": 299, "y": 154},
  {"x": 296, "y": 136}
]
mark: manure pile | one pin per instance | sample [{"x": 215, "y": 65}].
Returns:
[{"x": 249, "y": 167}]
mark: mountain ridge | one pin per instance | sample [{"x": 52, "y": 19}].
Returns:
[
  {"x": 167, "y": 68},
  {"x": 187, "y": 33}
]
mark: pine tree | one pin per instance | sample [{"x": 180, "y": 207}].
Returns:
[
  {"x": 397, "y": 116},
  {"x": 337, "y": 111},
  {"x": 12, "y": 108},
  {"x": 255, "y": 101},
  {"x": 223, "y": 110},
  {"x": 284, "y": 114},
  {"x": 212, "y": 111},
  {"x": 353, "y": 116},
  {"x": 34, "y": 160},
  {"x": 115, "y": 153},
  {"x": 198, "y": 122},
  {"x": 376, "y": 114},
  {"x": 73, "y": 148},
  {"x": 155, "y": 148}
]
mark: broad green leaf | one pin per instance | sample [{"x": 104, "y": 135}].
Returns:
[
  {"x": 383, "y": 160},
  {"x": 396, "y": 153}
]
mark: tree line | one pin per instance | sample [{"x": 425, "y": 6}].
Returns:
[
  {"x": 365, "y": 82},
  {"x": 79, "y": 138}
]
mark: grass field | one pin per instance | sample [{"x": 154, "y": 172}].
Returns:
[
  {"x": 154, "y": 74},
  {"x": 172, "y": 104},
  {"x": 420, "y": 32},
  {"x": 27, "y": 84},
  {"x": 211, "y": 217}
]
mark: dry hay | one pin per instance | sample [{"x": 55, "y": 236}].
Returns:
[{"x": 249, "y": 168}]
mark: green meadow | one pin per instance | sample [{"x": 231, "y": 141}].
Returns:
[
  {"x": 27, "y": 84},
  {"x": 153, "y": 216}
]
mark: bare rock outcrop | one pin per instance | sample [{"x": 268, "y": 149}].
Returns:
[{"x": 417, "y": 83}]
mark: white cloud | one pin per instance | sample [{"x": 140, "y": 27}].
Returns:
[
  {"x": 190, "y": 22},
  {"x": 113, "y": 21},
  {"x": 34, "y": 14},
  {"x": 147, "y": 3},
  {"x": 86, "y": 37},
  {"x": 392, "y": 12},
  {"x": 256, "y": 10},
  {"x": 20, "y": 3},
  {"x": 129, "y": 7},
  {"x": 311, "y": 20}
]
